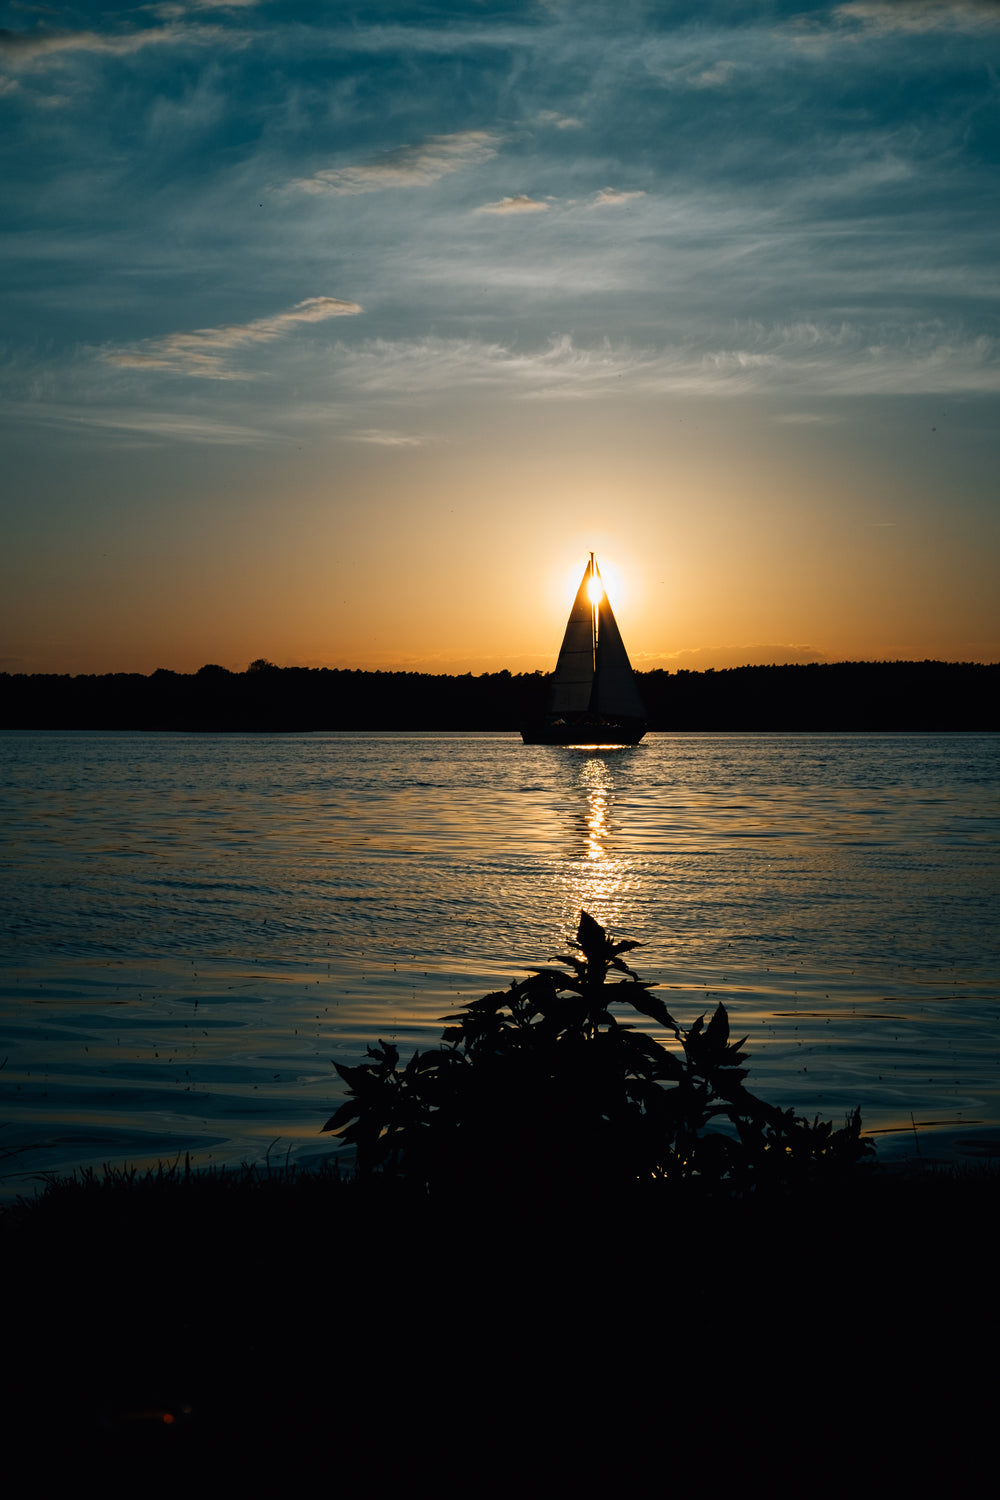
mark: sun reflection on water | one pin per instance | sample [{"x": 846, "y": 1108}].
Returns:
[
  {"x": 596, "y": 780},
  {"x": 597, "y": 877}
]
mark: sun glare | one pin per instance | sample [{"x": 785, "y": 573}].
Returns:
[{"x": 612, "y": 584}]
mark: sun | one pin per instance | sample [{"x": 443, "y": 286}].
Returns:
[{"x": 595, "y": 590}]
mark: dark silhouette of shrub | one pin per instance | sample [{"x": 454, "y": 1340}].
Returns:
[{"x": 543, "y": 1088}]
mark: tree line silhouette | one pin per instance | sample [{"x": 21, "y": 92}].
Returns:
[{"x": 859, "y": 695}]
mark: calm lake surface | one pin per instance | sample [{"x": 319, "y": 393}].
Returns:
[{"x": 196, "y": 925}]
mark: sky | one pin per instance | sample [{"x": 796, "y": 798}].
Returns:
[{"x": 341, "y": 334}]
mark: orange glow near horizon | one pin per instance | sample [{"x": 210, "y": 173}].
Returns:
[{"x": 742, "y": 558}]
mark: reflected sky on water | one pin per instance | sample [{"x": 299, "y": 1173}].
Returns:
[{"x": 195, "y": 925}]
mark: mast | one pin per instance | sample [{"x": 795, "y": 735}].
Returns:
[{"x": 593, "y": 605}]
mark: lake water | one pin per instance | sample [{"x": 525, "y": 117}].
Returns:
[{"x": 196, "y": 925}]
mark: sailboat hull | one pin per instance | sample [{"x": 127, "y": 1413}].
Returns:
[{"x": 589, "y": 730}]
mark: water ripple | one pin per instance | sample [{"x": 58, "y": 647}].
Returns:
[{"x": 318, "y": 891}]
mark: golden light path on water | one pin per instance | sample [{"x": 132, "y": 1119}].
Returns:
[{"x": 600, "y": 879}]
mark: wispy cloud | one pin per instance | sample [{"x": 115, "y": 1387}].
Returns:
[
  {"x": 202, "y": 351},
  {"x": 407, "y": 166},
  {"x": 841, "y": 361},
  {"x": 805, "y": 418},
  {"x": 612, "y": 197},
  {"x": 560, "y": 122},
  {"x": 695, "y": 74},
  {"x": 170, "y": 10},
  {"x": 859, "y": 21},
  {"x": 140, "y": 426},
  {"x": 521, "y": 204},
  {"x": 884, "y": 16},
  {"x": 716, "y": 77},
  {"x": 383, "y": 439},
  {"x": 174, "y": 426},
  {"x": 28, "y": 46}
]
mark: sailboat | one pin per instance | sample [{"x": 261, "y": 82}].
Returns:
[{"x": 593, "y": 698}]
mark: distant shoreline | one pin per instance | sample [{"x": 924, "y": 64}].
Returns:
[{"x": 848, "y": 697}]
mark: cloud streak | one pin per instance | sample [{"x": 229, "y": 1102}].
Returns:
[
  {"x": 841, "y": 361},
  {"x": 380, "y": 438},
  {"x": 920, "y": 16},
  {"x": 521, "y": 204},
  {"x": 613, "y": 197},
  {"x": 143, "y": 426},
  {"x": 30, "y": 46},
  {"x": 202, "y": 352},
  {"x": 866, "y": 21},
  {"x": 407, "y": 166}
]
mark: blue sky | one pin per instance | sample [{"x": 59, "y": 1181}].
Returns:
[{"x": 340, "y": 334}]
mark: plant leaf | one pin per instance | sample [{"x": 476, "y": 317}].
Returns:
[
  {"x": 591, "y": 937},
  {"x": 346, "y": 1112},
  {"x": 640, "y": 999}
]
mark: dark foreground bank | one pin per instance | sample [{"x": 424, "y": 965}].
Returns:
[{"x": 249, "y": 1327}]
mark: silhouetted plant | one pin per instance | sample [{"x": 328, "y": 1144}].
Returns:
[{"x": 542, "y": 1085}]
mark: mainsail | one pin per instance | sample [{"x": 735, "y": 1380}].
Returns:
[{"x": 573, "y": 679}]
